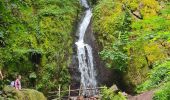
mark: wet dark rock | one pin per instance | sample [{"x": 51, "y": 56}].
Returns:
[{"x": 104, "y": 75}]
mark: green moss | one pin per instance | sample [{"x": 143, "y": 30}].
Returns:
[
  {"x": 108, "y": 18},
  {"x": 38, "y": 34},
  {"x": 139, "y": 66},
  {"x": 33, "y": 94},
  {"x": 145, "y": 7},
  {"x": 11, "y": 93},
  {"x": 143, "y": 40}
]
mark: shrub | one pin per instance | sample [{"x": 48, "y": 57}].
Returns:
[
  {"x": 163, "y": 93},
  {"x": 109, "y": 94},
  {"x": 158, "y": 76}
]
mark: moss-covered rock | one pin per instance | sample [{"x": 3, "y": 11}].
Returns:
[
  {"x": 139, "y": 66},
  {"x": 11, "y": 93},
  {"x": 143, "y": 37},
  {"x": 36, "y": 36}
]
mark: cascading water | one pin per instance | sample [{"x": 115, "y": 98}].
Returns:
[{"x": 85, "y": 57}]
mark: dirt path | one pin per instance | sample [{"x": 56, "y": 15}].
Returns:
[{"x": 144, "y": 96}]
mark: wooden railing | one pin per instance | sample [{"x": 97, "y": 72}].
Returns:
[{"x": 57, "y": 94}]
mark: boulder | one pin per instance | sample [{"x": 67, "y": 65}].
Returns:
[{"x": 24, "y": 94}]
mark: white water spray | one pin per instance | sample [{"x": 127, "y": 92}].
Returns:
[{"x": 85, "y": 57}]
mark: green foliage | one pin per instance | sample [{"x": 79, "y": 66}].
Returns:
[
  {"x": 157, "y": 77},
  {"x": 129, "y": 43},
  {"x": 115, "y": 58},
  {"x": 33, "y": 75},
  {"x": 108, "y": 94},
  {"x": 93, "y": 2},
  {"x": 153, "y": 28},
  {"x": 163, "y": 93},
  {"x": 35, "y": 37},
  {"x": 111, "y": 26},
  {"x": 146, "y": 40},
  {"x": 144, "y": 7},
  {"x": 108, "y": 21}
]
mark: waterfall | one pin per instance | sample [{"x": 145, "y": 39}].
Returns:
[{"x": 85, "y": 56}]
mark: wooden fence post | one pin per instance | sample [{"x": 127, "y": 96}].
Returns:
[
  {"x": 69, "y": 92},
  {"x": 59, "y": 89},
  {"x": 80, "y": 89}
]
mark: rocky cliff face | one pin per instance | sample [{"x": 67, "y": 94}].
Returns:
[
  {"x": 35, "y": 36},
  {"x": 104, "y": 75},
  {"x": 129, "y": 28}
]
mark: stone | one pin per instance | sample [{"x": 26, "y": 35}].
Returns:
[
  {"x": 24, "y": 94},
  {"x": 124, "y": 94},
  {"x": 114, "y": 88},
  {"x": 80, "y": 98}
]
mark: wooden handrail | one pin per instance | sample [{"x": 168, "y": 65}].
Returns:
[
  {"x": 58, "y": 93},
  {"x": 76, "y": 90}
]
